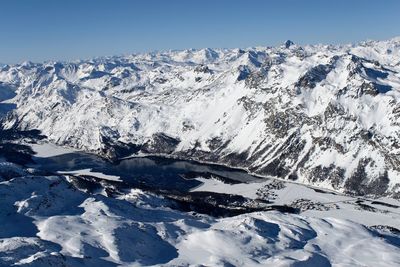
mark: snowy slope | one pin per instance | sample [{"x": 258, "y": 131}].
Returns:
[
  {"x": 322, "y": 115},
  {"x": 48, "y": 221},
  {"x": 76, "y": 219}
]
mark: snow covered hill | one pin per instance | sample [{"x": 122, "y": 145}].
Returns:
[
  {"x": 50, "y": 220},
  {"x": 87, "y": 218},
  {"x": 323, "y": 115}
]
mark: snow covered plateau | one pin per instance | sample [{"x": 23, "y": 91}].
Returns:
[{"x": 318, "y": 125}]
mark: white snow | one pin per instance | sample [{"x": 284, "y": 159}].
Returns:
[
  {"x": 46, "y": 222},
  {"x": 91, "y": 173},
  {"x": 345, "y": 206},
  {"x": 196, "y": 97},
  {"x": 47, "y": 150}
]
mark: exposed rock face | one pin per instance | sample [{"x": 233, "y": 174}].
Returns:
[
  {"x": 323, "y": 115},
  {"x": 288, "y": 43}
]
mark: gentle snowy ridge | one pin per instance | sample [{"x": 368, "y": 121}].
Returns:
[{"x": 46, "y": 222}]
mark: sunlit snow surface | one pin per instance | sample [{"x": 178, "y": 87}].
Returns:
[
  {"x": 325, "y": 115},
  {"x": 46, "y": 221},
  {"x": 46, "y": 150},
  {"x": 341, "y": 103}
]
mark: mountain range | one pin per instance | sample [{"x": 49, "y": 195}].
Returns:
[{"x": 323, "y": 115}]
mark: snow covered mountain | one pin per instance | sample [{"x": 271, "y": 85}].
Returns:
[
  {"x": 54, "y": 220},
  {"x": 323, "y": 115}
]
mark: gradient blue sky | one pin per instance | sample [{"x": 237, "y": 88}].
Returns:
[{"x": 39, "y": 30}]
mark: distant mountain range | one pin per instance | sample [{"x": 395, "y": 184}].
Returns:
[{"x": 323, "y": 115}]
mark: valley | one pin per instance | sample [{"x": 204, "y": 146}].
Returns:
[{"x": 265, "y": 156}]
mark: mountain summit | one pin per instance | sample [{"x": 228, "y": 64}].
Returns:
[
  {"x": 288, "y": 43},
  {"x": 322, "y": 115}
]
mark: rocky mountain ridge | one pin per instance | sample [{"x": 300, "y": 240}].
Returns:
[{"x": 323, "y": 115}]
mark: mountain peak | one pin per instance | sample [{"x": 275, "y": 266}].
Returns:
[
  {"x": 288, "y": 43},
  {"x": 298, "y": 85}
]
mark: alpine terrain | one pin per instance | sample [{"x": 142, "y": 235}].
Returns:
[{"x": 276, "y": 156}]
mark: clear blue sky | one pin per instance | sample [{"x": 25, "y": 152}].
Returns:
[{"x": 39, "y": 30}]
